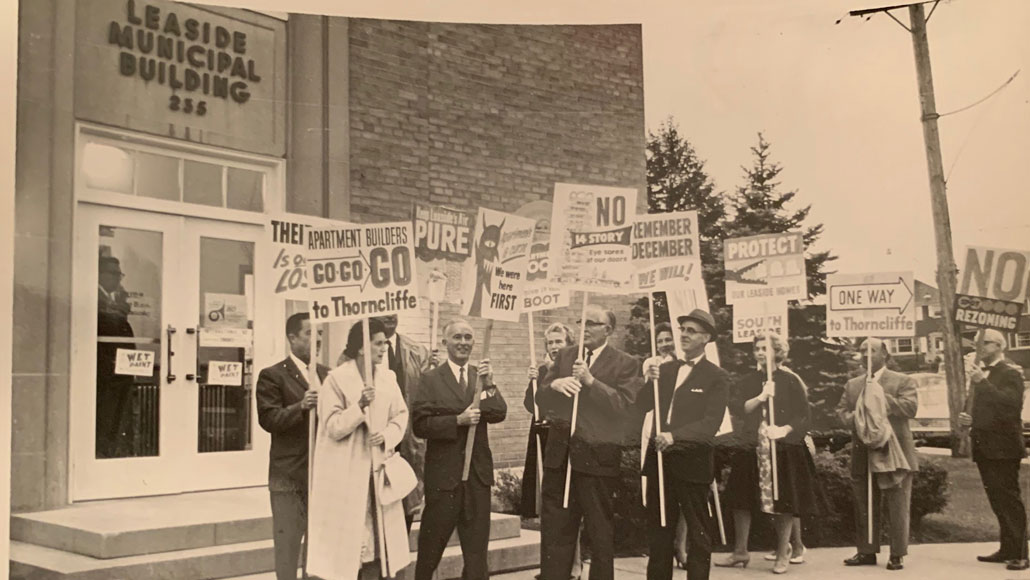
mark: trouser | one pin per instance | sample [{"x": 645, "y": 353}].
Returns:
[
  {"x": 467, "y": 508},
  {"x": 590, "y": 502},
  {"x": 690, "y": 499},
  {"x": 289, "y": 522},
  {"x": 899, "y": 501},
  {"x": 1000, "y": 478}
]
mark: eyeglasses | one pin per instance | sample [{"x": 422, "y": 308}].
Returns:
[{"x": 595, "y": 324}]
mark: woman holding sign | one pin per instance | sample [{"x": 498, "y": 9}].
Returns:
[
  {"x": 355, "y": 528},
  {"x": 750, "y": 484}
]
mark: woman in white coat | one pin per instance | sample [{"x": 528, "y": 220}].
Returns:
[{"x": 359, "y": 427}]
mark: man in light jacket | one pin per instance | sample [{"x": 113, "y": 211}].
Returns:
[{"x": 902, "y": 400}]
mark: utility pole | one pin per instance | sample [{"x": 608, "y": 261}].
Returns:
[{"x": 946, "y": 269}]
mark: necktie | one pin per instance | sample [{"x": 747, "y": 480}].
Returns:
[
  {"x": 461, "y": 380},
  {"x": 590, "y": 355},
  {"x": 391, "y": 356}
]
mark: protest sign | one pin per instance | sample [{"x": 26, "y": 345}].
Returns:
[
  {"x": 443, "y": 244},
  {"x": 987, "y": 312},
  {"x": 360, "y": 270},
  {"x": 138, "y": 363},
  {"x": 876, "y": 304},
  {"x": 287, "y": 234},
  {"x": 539, "y": 294},
  {"x": 756, "y": 318},
  {"x": 764, "y": 267},
  {"x": 225, "y": 373},
  {"x": 665, "y": 250},
  {"x": 493, "y": 279},
  {"x": 591, "y": 234},
  {"x": 996, "y": 273}
]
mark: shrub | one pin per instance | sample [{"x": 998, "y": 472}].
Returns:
[{"x": 507, "y": 492}]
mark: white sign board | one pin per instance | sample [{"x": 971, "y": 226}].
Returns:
[
  {"x": 225, "y": 337},
  {"x": 996, "y": 273},
  {"x": 357, "y": 271},
  {"x": 538, "y": 294},
  {"x": 877, "y": 304},
  {"x": 591, "y": 235},
  {"x": 666, "y": 251},
  {"x": 138, "y": 363},
  {"x": 287, "y": 234},
  {"x": 225, "y": 310},
  {"x": 225, "y": 373},
  {"x": 765, "y": 267},
  {"x": 493, "y": 279},
  {"x": 756, "y": 318}
]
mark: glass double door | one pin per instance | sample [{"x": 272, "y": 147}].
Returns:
[{"x": 164, "y": 347}]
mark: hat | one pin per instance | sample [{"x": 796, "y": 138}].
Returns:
[{"x": 701, "y": 317}]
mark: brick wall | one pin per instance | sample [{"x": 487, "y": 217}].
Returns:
[{"x": 481, "y": 115}]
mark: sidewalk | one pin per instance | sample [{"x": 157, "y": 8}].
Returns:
[{"x": 931, "y": 561}]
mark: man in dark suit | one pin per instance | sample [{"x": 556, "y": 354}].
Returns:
[
  {"x": 998, "y": 448},
  {"x": 114, "y": 391},
  {"x": 284, "y": 399},
  {"x": 607, "y": 382},
  {"x": 443, "y": 413},
  {"x": 902, "y": 398},
  {"x": 692, "y": 395}
]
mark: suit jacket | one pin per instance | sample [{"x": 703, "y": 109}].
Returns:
[
  {"x": 997, "y": 414},
  {"x": 529, "y": 400},
  {"x": 698, "y": 407},
  {"x": 280, "y": 389},
  {"x": 604, "y": 412},
  {"x": 435, "y": 418},
  {"x": 902, "y": 403}
]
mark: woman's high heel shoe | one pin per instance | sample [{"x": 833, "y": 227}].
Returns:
[
  {"x": 780, "y": 567},
  {"x": 734, "y": 559}
]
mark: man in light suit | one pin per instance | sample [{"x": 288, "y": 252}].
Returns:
[
  {"x": 284, "y": 400},
  {"x": 692, "y": 394},
  {"x": 902, "y": 402},
  {"x": 998, "y": 447},
  {"x": 443, "y": 414},
  {"x": 607, "y": 382}
]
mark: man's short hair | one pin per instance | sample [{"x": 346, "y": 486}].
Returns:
[
  {"x": 995, "y": 336},
  {"x": 295, "y": 322},
  {"x": 452, "y": 322},
  {"x": 562, "y": 328}
]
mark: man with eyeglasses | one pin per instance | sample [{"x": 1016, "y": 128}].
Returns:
[
  {"x": 692, "y": 395},
  {"x": 996, "y": 389},
  {"x": 606, "y": 380}
]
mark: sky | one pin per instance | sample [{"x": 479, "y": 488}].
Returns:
[{"x": 838, "y": 103}]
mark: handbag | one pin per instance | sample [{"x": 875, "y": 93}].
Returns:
[{"x": 398, "y": 480}]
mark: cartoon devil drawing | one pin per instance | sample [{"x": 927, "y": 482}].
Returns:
[{"x": 486, "y": 256}]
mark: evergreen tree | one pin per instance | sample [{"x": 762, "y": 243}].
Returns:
[{"x": 761, "y": 206}]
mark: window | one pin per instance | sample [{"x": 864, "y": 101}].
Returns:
[
  {"x": 935, "y": 311},
  {"x": 1022, "y": 340},
  {"x": 900, "y": 346}
]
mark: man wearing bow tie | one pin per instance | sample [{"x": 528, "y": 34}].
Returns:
[
  {"x": 997, "y": 405},
  {"x": 607, "y": 381},
  {"x": 692, "y": 395},
  {"x": 443, "y": 414}
]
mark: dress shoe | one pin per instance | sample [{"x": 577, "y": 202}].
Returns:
[
  {"x": 996, "y": 557},
  {"x": 861, "y": 560},
  {"x": 1020, "y": 564},
  {"x": 795, "y": 556},
  {"x": 780, "y": 567},
  {"x": 894, "y": 563},
  {"x": 734, "y": 559}
]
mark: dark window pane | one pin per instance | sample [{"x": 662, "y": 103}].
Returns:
[
  {"x": 202, "y": 183},
  {"x": 157, "y": 176},
  {"x": 246, "y": 189}
]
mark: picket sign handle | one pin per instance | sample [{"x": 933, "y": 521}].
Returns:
[
  {"x": 369, "y": 381},
  {"x": 869, "y": 456},
  {"x": 718, "y": 511},
  {"x": 657, "y": 416},
  {"x": 434, "y": 321},
  {"x": 315, "y": 383},
  {"x": 470, "y": 439},
  {"x": 575, "y": 403},
  {"x": 772, "y": 416},
  {"x": 536, "y": 419}
]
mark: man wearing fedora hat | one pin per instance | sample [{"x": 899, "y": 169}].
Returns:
[{"x": 692, "y": 396}]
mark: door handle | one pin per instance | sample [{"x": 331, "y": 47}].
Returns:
[{"x": 171, "y": 353}]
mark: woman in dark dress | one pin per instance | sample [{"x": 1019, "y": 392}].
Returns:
[{"x": 750, "y": 488}]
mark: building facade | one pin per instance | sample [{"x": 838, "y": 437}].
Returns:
[{"x": 155, "y": 140}]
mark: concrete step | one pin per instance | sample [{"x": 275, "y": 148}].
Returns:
[
  {"x": 250, "y": 560},
  {"x": 139, "y": 526}
]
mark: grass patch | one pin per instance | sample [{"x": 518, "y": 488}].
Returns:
[{"x": 968, "y": 516}]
